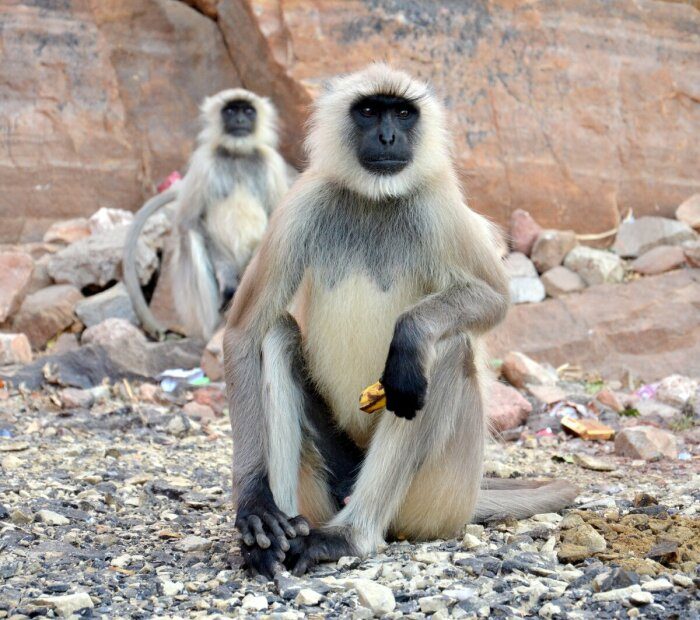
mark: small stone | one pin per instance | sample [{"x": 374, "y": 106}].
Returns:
[
  {"x": 66, "y": 605},
  {"x": 547, "y": 394},
  {"x": 560, "y": 281},
  {"x": 595, "y": 266},
  {"x": 549, "y": 610},
  {"x": 641, "y": 598},
  {"x": 191, "y": 544},
  {"x": 212, "y": 362},
  {"x": 524, "y": 231},
  {"x": 551, "y": 247},
  {"x": 21, "y": 516},
  {"x": 635, "y": 237},
  {"x": 474, "y": 529},
  {"x": 15, "y": 349},
  {"x": 656, "y": 412},
  {"x": 16, "y": 270},
  {"x": 374, "y": 596},
  {"x": 683, "y": 580},
  {"x": 180, "y": 425},
  {"x": 688, "y": 212},
  {"x": 67, "y": 231},
  {"x": 432, "y": 557},
  {"x": 676, "y": 390},
  {"x": 657, "y": 585},
  {"x": 520, "y": 370},
  {"x": 106, "y": 219},
  {"x": 593, "y": 463},
  {"x": 307, "y": 596},
  {"x": 471, "y": 542},
  {"x": 619, "y": 578},
  {"x": 46, "y": 313},
  {"x": 621, "y": 594},
  {"x": 73, "y": 398},
  {"x": 518, "y": 265},
  {"x": 526, "y": 290},
  {"x": 52, "y": 518},
  {"x": 610, "y": 399},
  {"x": 196, "y": 411},
  {"x": 586, "y": 536},
  {"x": 213, "y": 396},
  {"x": 658, "y": 260},
  {"x": 113, "y": 333},
  {"x": 691, "y": 250},
  {"x": 348, "y": 562},
  {"x": 645, "y": 442},
  {"x": 506, "y": 407},
  {"x": 11, "y": 462},
  {"x": 171, "y": 588},
  {"x": 251, "y": 602},
  {"x": 432, "y": 604},
  {"x": 114, "y": 303}
]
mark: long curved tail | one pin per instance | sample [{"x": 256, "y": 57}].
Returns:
[
  {"x": 522, "y": 498},
  {"x": 129, "y": 272}
]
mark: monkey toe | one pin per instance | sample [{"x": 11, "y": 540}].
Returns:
[
  {"x": 300, "y": 525},
  {"x": 266, "y": 562}
]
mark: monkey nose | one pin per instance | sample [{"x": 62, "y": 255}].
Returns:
[{"x": 387, "y": 139}]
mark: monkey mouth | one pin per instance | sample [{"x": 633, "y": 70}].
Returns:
[
  {"x": 385, "y": 166},
  {"x": 239, "y": 132}
]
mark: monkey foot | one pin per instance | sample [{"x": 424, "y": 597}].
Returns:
[
  {"x": 319, "y": 546},
  {"x": 266, "y": 562}
]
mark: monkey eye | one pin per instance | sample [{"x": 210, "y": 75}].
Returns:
[
  {"x": 403, "y": 113},
  {"x": 367, "y": 111},
  {"x": 249, "y": 110}
]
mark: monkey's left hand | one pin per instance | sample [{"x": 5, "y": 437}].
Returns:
[
  {"x": 322, "y": 545},
  {"x": 404, "y": 379}
]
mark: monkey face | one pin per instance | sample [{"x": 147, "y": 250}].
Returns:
[
  {"x": 238, "y": 118},
  {"x": 384, "y": 133}
]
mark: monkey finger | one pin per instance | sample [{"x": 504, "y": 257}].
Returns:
[
  {"x": 260, "y": 536},
  {"x": 300, "y": 525},
  {"x": 276, "y": 531}
]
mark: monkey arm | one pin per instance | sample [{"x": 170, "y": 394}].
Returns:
[{"x": 266, "y": 290}]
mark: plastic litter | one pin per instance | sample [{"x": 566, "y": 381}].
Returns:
[{"x": 172, "y": 378}]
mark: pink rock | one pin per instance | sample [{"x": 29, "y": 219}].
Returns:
[
  {"x": 67, "y": 231},
  {"x": 551, "y": 247},
  {"x": 691, "y": 249},
  {"x": 689, "y": 212},
  {"x": 213, "y": 396},
  {"x": 524, "y": 231},
  {"x": 213, "y": 357},
  {"x": 113, "y": 332},
  {"x": 16, "y": 269},
  {"x": 15, "y": 349},
  {"x": 659, "y": 259},
  {"x": 676, "y": 390},
  {"x": 73, "y": 398},
  {"x": 560, "y": 281},
  {"x": 548, "y": 394},
  {"x": 645, "y": 442},
  {"x": 506, "y": 407},
  {"x": 198, "y": 411},
  {"x": 46, "y": 313},
  {"x": 610, "y": 399},
  {"x": 520, "y": 370}
]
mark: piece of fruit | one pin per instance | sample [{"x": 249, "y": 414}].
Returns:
[{"x": 373, "y": 398}]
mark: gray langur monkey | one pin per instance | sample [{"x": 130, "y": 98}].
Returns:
[
  {"x": 234, "y": 181},
  {"x": 392, "y": 276}
]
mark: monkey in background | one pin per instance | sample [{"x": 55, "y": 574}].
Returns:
[
  {"x": 398, "y": 280},
  {"x": 234, "y": 181}
]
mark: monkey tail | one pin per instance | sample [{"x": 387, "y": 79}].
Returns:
[
  {"x": 131, "y": 280},
  {"x": 522, "y": 498}
]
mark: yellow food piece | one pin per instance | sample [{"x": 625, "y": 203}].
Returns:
[{"x": 373, "y": 398}]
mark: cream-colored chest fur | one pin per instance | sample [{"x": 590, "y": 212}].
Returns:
[
  {"x": 348, "y": 333},
  {"x": 237, "y": 224}
]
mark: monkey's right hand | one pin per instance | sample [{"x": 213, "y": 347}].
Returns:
[{"x": 263, "y": 524}]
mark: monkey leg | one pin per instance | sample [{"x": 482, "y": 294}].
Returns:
[
  {"x": 420, "y": 477},
  {"x": 305, "y": 455}
]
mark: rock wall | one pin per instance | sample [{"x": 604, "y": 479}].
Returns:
[{"x": 576, "y": 111}]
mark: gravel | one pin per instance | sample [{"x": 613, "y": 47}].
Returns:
[{"x": 122, "y": 509}]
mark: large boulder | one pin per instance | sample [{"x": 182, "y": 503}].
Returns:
[
  {"x": 97, "y": 260},
  {"x": 16, "y": 270},
  {"x": 126, "y": 79},
  {"x": 46, "y": 313},
  {"x": 636, "y": 237},
  {"x": 565, "y": 110},
  {"x": 645, "y": 327}
]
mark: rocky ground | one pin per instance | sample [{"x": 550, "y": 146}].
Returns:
[{"x": 115, "y": 502}]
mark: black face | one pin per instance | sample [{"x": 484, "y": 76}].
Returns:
[
  {"x": 385, "y": 132},
  {"x": 238, "y": 117}
]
